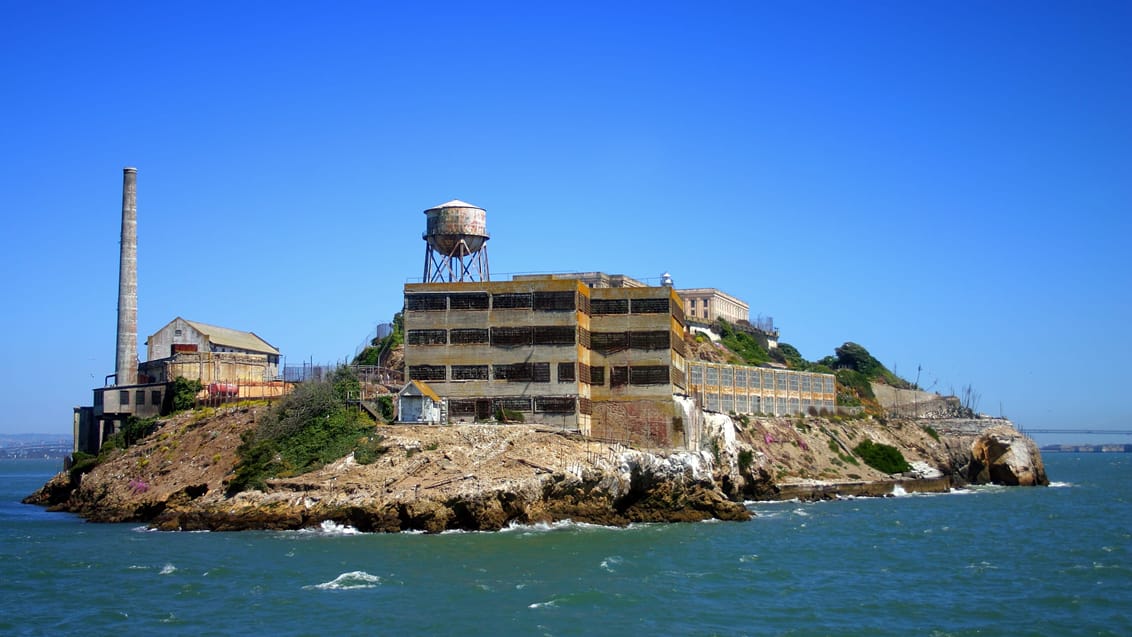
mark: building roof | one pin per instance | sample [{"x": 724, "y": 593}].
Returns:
[
  {"x": 455, "y": 203},
  {"x": 235, "y": 339},
  {"x": 421, "y": 387}
]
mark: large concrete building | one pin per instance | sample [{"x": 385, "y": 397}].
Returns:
[
  {"x": 603, "y": 361},
  {"x": 707, "y": 305}
]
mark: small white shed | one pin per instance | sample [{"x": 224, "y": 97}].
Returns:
[{"x": 417, "y": 402}]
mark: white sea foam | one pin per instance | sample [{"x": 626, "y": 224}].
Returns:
[
  {"x": 610, "y": 562},
  {"x": 898, "y": 491},
  {"x": 168, "y": 569},
  {"x": 552, "y": 602},
  {"x": 800, "y": 512},
  {"x": 330, "y": 527},
  {"x": 348, "y": 581},
  {"x": 1060, "y": 485},
  {"x": 748, "y": 558}
]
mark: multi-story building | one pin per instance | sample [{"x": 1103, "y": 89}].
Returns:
[
  {"x": 605, "y": 361},
  {"x": 706, "y": 305},
  {"x": 760, "y": 390}
]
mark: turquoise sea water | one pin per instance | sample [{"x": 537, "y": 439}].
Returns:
[{"x": 992, "y": 561}]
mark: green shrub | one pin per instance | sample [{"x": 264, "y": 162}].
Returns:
[
  {"x": 81, "y": 463},
  {"x": 185, "y": 393},
  {"x": 385, "y": 404},
  {"x": 508, "y": 415},
  {"x": 932, "y": 432},
  {"x": 746, "y": 459},
  {"x": 882, "y": 457}
]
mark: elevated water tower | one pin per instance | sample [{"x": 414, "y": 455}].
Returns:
[{"x": 455, "y": 241}]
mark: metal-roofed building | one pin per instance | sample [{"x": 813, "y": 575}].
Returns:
[{"x": 208, "y": 353}]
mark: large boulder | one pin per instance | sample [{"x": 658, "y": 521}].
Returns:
[{"x": 1002, "y": 455}]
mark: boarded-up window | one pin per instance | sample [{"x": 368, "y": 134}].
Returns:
[
  {"x": 155, "y": 397},
  {"x": 648, "y": 375},
  {"x": 427, "y": 372},
  {"x": 609, "y": 342},
  {"x": 597, "y": 376},
  {"x": 511, "y": 301},
  {"x": 678, "y": 312},
  {"x": 650, "y": 306},
  {"x": 468, "y": 336},
  {"x": 469, "y": 372},
  {"x": 426, "y": 302},
  {"x": 609, "y": 306},
  {"x": 555, "y": 404},
  {"x": 514, "y": 403},
  {"x": 678, "y": 377},
  {"x": 458, "y": 408},
  {"x": 566, "y": 373},
  {"x": 584, "y": 375},
  {"x": 554, "y": 335},
  {"x": 585, "y": 406},
  {"x": 584, "y": 303},
  {"x": 649, "y": 340},
  {"x": 473, "y": 301},
  {"x": 555, "y": 301},
  {"x": 618, "y": 376},
  {"x": 427, "y": 337},
  {"x": 522, "y": 372},
  {"x": 510, "y": 336}
]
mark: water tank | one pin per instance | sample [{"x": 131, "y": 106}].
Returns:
[{"x": 454, "y": 222}]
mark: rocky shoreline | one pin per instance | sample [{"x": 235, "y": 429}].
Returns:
[{"x": 488, "y": 476}]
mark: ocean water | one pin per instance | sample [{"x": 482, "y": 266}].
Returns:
[{"x": 991, "y": 561}]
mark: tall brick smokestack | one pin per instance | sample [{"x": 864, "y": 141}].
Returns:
[{"x": 126, "y": 359}]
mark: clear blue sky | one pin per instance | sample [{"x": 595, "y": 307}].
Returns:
[{"x": 946, "y": 183}]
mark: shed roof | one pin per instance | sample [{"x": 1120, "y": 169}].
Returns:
[
  {"x": 422, "y": 388},
  {"x": 226, "y": 337}
]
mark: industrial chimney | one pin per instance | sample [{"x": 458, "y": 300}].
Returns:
[{"x": 126, "y": 359}]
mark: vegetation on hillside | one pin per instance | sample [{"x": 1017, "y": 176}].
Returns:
[
  {"x": 379, "y": 347},
  {"x": 305, "y": 430},
  {"x": 857, "y": 358},
  {"x": 742, "y": 344},
  {"x": 883, "y": 458}
]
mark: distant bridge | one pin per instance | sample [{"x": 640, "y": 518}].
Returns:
[{"x": 1098, "y": 432}]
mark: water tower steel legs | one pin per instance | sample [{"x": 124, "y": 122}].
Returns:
[{"x": 460, "y": 265}]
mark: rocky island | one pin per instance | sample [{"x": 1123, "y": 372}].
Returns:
[{"x": 487, "y": 476}]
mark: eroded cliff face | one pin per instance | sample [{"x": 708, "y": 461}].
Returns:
[{"x": 485, "y": 477}]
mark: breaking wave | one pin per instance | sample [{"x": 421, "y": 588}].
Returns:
[{"x": 348, "y": 581}]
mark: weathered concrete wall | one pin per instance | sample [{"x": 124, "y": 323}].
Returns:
[{"x": 209, "y": 367}]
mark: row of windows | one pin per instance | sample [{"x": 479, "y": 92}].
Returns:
[
  {"x": 487, "y": 407},
  {"x": 740, "y": 403},
  {"x": 540, "y": 373},
  {"x": 738, "y": 377},
  {"x": 139, "y": 397},
  {"x": 603, "y": 342},
  {"x": 539, "y": 302}
]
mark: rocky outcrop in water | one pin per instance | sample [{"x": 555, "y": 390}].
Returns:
[{"x": 1002, "y": 455}]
